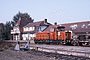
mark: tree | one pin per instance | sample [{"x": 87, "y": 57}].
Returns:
[
  {"x": 17, "y": 16},
  {"x": 5, "y": 29},
  {"x": 8, "y": 28},
  {"x": 2, "y": 31}
]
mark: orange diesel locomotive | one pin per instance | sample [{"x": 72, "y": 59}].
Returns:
[{"x": 58, "y": 36}]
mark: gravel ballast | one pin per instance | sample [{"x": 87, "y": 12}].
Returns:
[{"x": 10, "y": 54}]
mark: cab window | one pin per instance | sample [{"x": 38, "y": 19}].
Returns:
[{"x": 61, "y": 28}]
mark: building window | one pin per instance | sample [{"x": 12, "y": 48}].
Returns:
[
  {"x": 33, "y": 28},
  {"x": 89, "y": 24},
  {"x": 29, "y": 28},
  {"x": 88, "y": 37},
  {"x": 73, "y": 26},
  {"x": 26, "y": 28},
  {"x": 83, "y": 26}
]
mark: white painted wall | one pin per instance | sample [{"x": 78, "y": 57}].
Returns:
[
  {"x": 29, "y": 28},
  {"x": 16, "y": 37},
  {"x": 15, "y": 30},
  {"x": 28, "y": 36}
]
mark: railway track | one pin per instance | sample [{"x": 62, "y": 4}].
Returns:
[
  {"x": 60, "y": 49},
  {"x": 63, "y": 47}
]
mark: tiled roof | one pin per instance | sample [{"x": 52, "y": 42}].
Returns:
[
  {"x": 80, "y": 29},
  {"x": 81, "y": 26},
  {"x": 33, "y": 24},
  {"x": 51, "y": 27},
  {"x": 84, "y": 22},
  {"x": 18, "y": 22},
  {"x": 23, "y": 21},
  {"x": 36, "y": 25}
]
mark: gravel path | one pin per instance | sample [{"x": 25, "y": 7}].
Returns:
[{"x": 35, "y": 55}]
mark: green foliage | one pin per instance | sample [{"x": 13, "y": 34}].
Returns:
[
  {"x": 5, "y": 29},
  {"x": 8, "y": 28},
  {"x": 19, "y": 15},
  {"x": 2, "y": 31}
]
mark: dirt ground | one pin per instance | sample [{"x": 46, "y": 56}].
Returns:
[
  {"x": 7, "y": 52},
  {"x": 10, "y": 54}
]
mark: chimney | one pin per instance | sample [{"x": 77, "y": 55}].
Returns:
[
  {"x": 55, "y": 23},
  {"x": 45, "y": 20}
]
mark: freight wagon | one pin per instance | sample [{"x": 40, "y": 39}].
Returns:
[{"x": 81, "y": 39}]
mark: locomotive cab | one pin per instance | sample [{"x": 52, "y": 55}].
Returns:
[
  {"x": 66, "y": 36},
  {"x": 61, "y": 28}
]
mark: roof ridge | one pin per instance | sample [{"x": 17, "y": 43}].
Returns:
[
  {"x": 33, "y": 23},
  {"x": 18, "y": 22},
  {"x": 75, "y": 22}
]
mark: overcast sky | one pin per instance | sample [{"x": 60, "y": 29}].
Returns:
[{"x": 60, "y": 11}]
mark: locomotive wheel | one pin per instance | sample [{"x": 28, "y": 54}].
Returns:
[
  {"x": 35, "y": 42},
  {"x": 84, "y": 44},
  {"x": 75, "y": 43}
]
